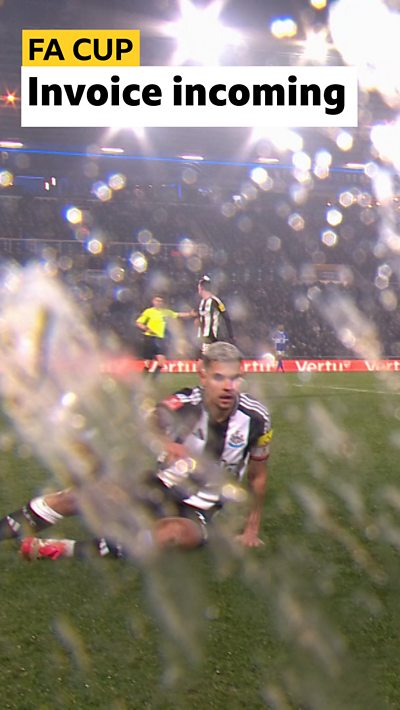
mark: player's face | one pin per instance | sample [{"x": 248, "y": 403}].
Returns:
[
  {"x": 221, "y": 383},
  {"x": 158, "y": 302}
]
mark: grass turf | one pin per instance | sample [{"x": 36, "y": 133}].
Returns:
[{"x": 309, "y": 621}]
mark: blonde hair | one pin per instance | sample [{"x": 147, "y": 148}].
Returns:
[{"x": 221, "y": 352}]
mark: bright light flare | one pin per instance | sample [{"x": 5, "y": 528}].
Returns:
[
  {"x": 11, "y": 144},
  {"x": 301, "y": 160},
  {"x": 94, "y": 246},
  {"x": 117, "y": 181},
  {"x": 102, "y": 191},
  {"x": 116, "y": 272},
  {"x": 346, "y": 198},
  {"x": 10, "y": 98},
  {"x": 344, "y": 141},
  {"x": 334, "y": 217},
  {"x": 138, "y": 261},
  {"x": 283, "y": 28},
  {"x": 111, "y": 135},
  {"x": 200, "y": 36},
  {"x": 385, "y": 138},
  {"x": 112, "y": 151},
  {"x": 322, "y": 164},
  {"x": 194, "y": 158},
  {"x": 323, "y": 158},
  {"x": 145, "y": 236},
  {"x": 366, "y": 34},
  {"x": 316, "y": 46},
  {"x": 329, "y": 238},
  {"x": 283, "y": 139},
  {"x": 186, "y": 246},
  {"x": 383, "y": 186},
  {"x": 153, "y": 247},
  {"x": 259, "y": 176},
  {"x": 296, "y": 222},
  {"x": 6, "y": 178},
  {"x": 73, "y": 215}
]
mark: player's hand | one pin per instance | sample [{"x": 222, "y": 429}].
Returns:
[
  {"x": 249, "y": 539},
  {"x": 175, "y": 451}
]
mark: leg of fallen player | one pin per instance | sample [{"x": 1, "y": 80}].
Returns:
[
  {"x": 177, "y": 532},
  {"x": 38, "y": 514}
]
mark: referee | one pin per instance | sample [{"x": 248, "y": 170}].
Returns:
[{"x": 153, "y": 323}]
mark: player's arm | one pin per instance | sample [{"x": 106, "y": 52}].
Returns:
[
  {"x": 141, "y": 326},
  {"x": 179, "y": 314},
  {"x": 188, "y": 314},
  {"x": 228, "y": 322},
  {"x": 257, "y": 481},
  {"x": 163, "y": 422},
  {"x": 142, "y": 323}
]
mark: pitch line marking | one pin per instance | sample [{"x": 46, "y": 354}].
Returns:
[{"x": 348, "y": 389}]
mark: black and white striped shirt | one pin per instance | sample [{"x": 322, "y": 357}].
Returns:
[
  {"x": 219, "y": 451},
  {"x": 210, "y": 310}
]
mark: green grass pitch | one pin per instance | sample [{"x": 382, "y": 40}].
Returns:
[{"x": 310, "y": 621}]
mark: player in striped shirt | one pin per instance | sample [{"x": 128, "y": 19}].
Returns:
[
  {"x": 215, "y": 444},
  {"x": 210, "y": 311}
]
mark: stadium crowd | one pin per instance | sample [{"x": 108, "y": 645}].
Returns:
[{"x": 263, "y": 262}]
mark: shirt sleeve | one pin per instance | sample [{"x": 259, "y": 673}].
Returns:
[
  {"x": 260, "y": 449},
  {"x": 226, "y": 318},
  {"x": 170, "y": 314},
  {"x": 173, "y": 412},
  {"x": 144, "y": 317}
]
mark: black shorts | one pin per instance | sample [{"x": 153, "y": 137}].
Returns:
[
  {"x": 152, "y": 347},
  {"x": 164, "y": 502}
]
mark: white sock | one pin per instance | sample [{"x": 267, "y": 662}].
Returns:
[{"x": 42, "y": 510}]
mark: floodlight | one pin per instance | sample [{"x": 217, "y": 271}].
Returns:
[{"x": 199, "y": 34}]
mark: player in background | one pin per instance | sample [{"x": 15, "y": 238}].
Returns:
[
  {"x": 210, "y": 311},
  {"x": 281, "y": 342},
  {"x": 215, "y": 440},
  {"x": 153, "y": 323}
]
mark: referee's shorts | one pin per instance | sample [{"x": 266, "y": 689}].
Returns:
[{"x": 153, "y": 346}]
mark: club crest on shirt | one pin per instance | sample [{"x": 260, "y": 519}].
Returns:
[{"x": 237, "y": 440}]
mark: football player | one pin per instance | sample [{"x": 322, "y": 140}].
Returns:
[{"x": 215, "y": 444}]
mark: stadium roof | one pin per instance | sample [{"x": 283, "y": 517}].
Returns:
[{"x": 252, "y": 18}]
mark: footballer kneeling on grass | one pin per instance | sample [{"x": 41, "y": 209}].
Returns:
[{"x": 215, "y": 442}]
